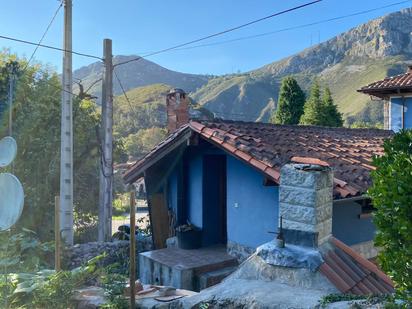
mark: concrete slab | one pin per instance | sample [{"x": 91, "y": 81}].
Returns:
[{"x": 182, "y": 268}]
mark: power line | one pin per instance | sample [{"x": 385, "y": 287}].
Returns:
[
  {"x": 49, "y": 47},
  {"x": 222, "y": 32},
  {"x": 123, "y": 90},
  {"x": 44, "y": 35},
  {"x": 293, "y": 27}
]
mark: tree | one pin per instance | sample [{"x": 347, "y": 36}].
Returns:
[
  {"x": 321, "y": 111},
  {"x": 332, "y": 117},
  {"x": 313, "y": 108},
  {"x": 391, "y": 195},
  {"x": 36, "y": 128},
  {"x": 290, "y": 102},
  {"x": 138, "y": 144}
]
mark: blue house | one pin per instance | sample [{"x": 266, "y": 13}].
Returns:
[
  {"x": 396, "y": 91},
  {"x": 223, "y": 177}
]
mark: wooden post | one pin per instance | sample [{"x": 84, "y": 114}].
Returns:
[
  {"x": 57, "y": 265},
  {"x": 106, "y": 174},
  {"x": 132, "y": 250}
]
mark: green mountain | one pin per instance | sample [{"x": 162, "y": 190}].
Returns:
[
  {"x": 135, "y": 74},
  {"x": 346, "y": 62}
]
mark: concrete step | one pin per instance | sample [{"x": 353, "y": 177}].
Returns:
[{"x": 208, "y": 279}]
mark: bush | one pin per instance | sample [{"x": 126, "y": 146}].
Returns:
[{"x": 391, "y": 195}]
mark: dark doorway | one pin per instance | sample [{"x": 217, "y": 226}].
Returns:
[{"x": 214, "y": 200}]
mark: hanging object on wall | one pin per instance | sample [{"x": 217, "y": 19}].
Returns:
[
  {"x": 11, "y": 189},
  {"x": 8, "y": 150}
]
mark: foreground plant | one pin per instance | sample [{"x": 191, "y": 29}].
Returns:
[{"x": 391, "y": 195}]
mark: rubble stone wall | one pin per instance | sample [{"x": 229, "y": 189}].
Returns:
[{"x": 116, "y": 251}]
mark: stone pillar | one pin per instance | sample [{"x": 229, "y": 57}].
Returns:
[{"x": 305, "y": 203}]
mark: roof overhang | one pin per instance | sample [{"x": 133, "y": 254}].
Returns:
[
  {"x": 385, "y": 93},
  {"x": 171, "y": 143}
]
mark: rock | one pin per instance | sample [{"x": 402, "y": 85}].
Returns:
[
  {"x": 138, "y": 288},
  {"x": 89, "y": 298},
  {"x": 290, "y": 256}
]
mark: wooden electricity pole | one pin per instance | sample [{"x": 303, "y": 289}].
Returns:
[
  {"x": 66, "y": 145},
  {"x": 11, "y": 92},
  {"x": 57, "y": 244},
  {"x": 106, "y": 170},
  {"x": 132, "y": 282}
]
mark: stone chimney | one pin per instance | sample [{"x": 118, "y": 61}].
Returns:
[
  {"x": 409, "y": 69},
  {"x": 305, "y": 203},
  {"x": 177, "y": 107}
]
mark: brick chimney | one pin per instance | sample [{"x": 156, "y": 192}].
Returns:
[
  {"x": 177, "y": 107},
  {"x": 306, "y": 203}
]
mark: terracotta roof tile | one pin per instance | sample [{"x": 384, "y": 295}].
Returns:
[
  {"x": 347, "y": 151},
  {"x": 351, "y": 273},
  {"x": 393, "y": 83}
]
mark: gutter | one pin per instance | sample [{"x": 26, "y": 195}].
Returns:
[{"x": 351, "y": 199}]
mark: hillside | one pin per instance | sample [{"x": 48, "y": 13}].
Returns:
[
  {"x": 137, "y": 74},
  {"x": 363, "y": 54},
  {"x": 139, "y": 125},
  {"x": 346, "y": 62}
]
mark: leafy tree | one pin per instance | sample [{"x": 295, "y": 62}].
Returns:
[
  {"x": 290, "y": 102},
  {"x": 313, "y": 109},
  {"x": 138, "y": 144},
  {"x": 332, "y": 117},
  {"x": 391, "y": 195},
  {"x": 36, "y": 128}
]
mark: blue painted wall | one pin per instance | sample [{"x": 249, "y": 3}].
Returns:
[
  {"x": 195, "y": 189},
  {"x": 347, "y": 227},
  {"x": 257, "y": 205},
  {"x": 408, "y": 113},
  {"x": 252, "y": 209},
  {"x": 396, "y": 114},
  {"x": 172, "y": 191}
]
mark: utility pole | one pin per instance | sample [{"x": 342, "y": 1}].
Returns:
[
  {"x": 11, "y": 92},
  {"x": 66, "y": 145},
  {"x": 106, "y": 170}
]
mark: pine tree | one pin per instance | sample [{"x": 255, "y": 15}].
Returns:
[
  {"x": 332, "y": 117},
  {"x": 290, "y": 103},
  {"x": 313, "y": 108}
]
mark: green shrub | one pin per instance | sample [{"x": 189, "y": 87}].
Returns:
[{"x": 391, "y": 195}]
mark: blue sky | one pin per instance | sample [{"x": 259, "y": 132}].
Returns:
[{"x": 139, "y": 26}]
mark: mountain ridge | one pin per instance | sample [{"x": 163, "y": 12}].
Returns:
[{"x": 346, "y": 62}]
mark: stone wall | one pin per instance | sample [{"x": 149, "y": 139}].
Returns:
[
  {"x": 117, "y": 252},
  {"x": 239, "y": 251},
  {"x": 306, "y": 199}
]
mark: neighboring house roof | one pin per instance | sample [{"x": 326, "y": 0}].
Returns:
[
  {"x": 353, "y": 274},
  {"x": 267, "y": 147},
  {"x": 401, "y": 83}
]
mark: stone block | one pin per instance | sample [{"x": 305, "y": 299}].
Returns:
[
  {"x": 297, "y": 213},
  {"x": 323, "y": 212},
  {"x": 324, "y": 230},
  {"x": 293, "y": 175},
  {"x": 294, "y": 225},
  {"x": 297, "y": 196}
]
